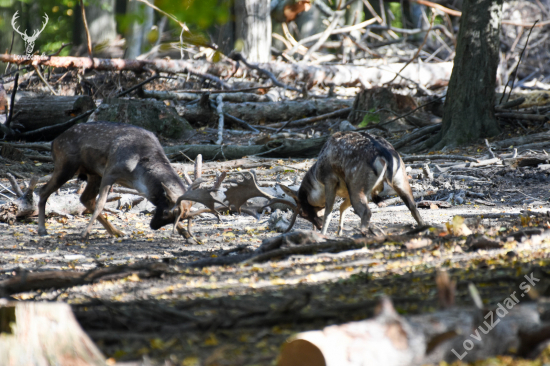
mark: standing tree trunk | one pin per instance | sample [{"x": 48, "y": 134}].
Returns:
[
  {"x": 469, "y": 105},
  {"x": 100, "y": 15},
  {"x": 253, "y": 29}
]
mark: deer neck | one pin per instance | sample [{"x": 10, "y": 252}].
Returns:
[{"x": 149, "y": 183}]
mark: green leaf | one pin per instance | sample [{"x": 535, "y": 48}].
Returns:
[{"x": 370, "y": 117}]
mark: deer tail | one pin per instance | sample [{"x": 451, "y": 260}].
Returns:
[{"x": 383, "y": 174}]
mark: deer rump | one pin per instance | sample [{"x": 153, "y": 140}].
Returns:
[{"x": 355, "y": 166}]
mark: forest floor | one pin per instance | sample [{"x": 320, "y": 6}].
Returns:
[{"x": 242, "y": 314}]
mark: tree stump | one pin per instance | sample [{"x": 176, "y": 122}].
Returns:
[
  {"x": 379, "y": 105},
  {"x": 43, "y": 334}
]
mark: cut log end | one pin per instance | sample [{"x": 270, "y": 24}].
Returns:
[{"x": 299, "y": 352}]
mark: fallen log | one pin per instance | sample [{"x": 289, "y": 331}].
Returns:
[
  {"x": 202, "y": 114},
  {"x": 227, "y": 97},
  {"x": 345, "y": 75},
  {"x": 522, "y": 140},
  {"x": 43, "y": 111},
  {"x": 308, "y": 148},
  {"x": 39, "y": 333},
  {"x": 533, "y": 160},
  {"x": 24, "y": 282},
  {"x": 445, "y": 336}
]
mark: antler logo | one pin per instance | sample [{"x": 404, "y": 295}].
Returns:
[{"x": 29, "y": 40}]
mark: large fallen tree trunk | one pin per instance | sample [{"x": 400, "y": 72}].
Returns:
[
  {"x": 466, "y": 334},
  {"x": 42, "y": 111},
  {"x": 308, "y": 148},
  {"x": 38, "y": 333},
  {"x": 201, "y": 114},
  {"x": 347, "y": 75}
]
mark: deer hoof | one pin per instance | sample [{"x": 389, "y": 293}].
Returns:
[{"x": 42, "y": 231}]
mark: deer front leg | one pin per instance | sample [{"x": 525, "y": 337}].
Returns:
[
  {"x": 360, "y": 204},
  {"x": 330, "y": 197},
  {"x": 343, "y": 210}
]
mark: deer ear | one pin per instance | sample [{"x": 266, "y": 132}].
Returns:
[
  {"x": 292, "y": 193},
  {"x": 172, "y": 197}
]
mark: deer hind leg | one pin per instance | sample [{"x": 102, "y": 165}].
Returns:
[
  {"x": 88, "y": 199},
  {"x": 343, "y": 210},
  {"x": 62, "y": 173},
  {"x": 99, "y": 204},
  {"x": 360, "y": 204},
  {"x": 403, "y": 189}
]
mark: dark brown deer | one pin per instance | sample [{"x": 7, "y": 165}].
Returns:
[
  {"x": 106, "y": 153},
  {"x": 352, "y": 165}
]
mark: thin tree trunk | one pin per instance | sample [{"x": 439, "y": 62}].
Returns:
[
  {"x": 100, "y": 15},
  {"x": 469, "y": 107},
  {"x": 253, "y": 29}
]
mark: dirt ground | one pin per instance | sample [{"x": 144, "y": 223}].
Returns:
[{"x": 242, "y": 314}]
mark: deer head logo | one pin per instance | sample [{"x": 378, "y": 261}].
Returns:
[{"x": 29, "y": 40}]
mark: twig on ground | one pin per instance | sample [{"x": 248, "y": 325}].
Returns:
[
  {"x": 417, "y": 51},
  {"x": 510, "y": 104},
  {"x": 324, "y": 36},
  {"x": 439, "y": 157},
  {"x": 122, "y": 93},
  {"x": 513, "y": 79},
  {"x": 241, "y": 122},
  {"x": 39, "y": 73},
  {"x": 491, "y": 153},
  {"x": 62, "y": 126},
  {"x": 236, "y": 56},
  {"x": 306, "y": 121},
  {"x": 219, "y": 109}
]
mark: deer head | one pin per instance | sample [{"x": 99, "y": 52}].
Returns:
[{"x": 29, "y": 40}]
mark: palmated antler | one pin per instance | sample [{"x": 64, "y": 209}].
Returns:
[
  {"x": 199, "y": 195},
  {"x": 243, "y": 191}
]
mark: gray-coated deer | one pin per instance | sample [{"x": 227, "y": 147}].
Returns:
[
  {"x": 355, "y": 166},
  {"x": 106, "y": 153},
  {"x": 352, "y": 165}
]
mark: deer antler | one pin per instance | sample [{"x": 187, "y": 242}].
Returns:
[
  {"x": 238, "y": 195},
  {"x": 15, "y": 16},
  {"x": 203, "y": 196},
  {"x": 36, "y": 33}
]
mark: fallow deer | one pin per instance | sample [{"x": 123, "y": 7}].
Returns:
[
  {"x": 105, "y": 153},
  {"x": 352, "y": 165}
]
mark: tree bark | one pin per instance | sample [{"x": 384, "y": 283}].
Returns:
[
  {"x": 253, "y": 29},
  {"x": 469, "y": 106}
]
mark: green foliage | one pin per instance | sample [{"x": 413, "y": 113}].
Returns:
[
  {"x": 57, "y": 31},
  {"x": 200, "y": 14},
  {"x": 397, "y": 22},
  {"x": 370, "y": 117}
]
